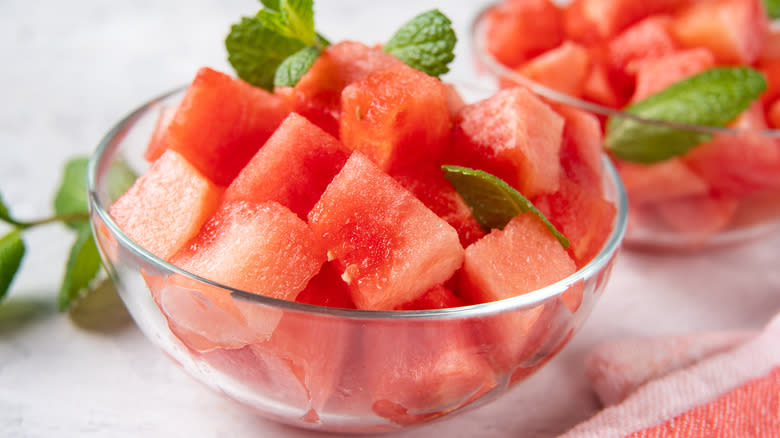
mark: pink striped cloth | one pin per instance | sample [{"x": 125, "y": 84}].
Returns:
[{"x": 711, "y": 385}]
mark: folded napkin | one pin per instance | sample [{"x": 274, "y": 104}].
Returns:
[{"x": 711, "y": 385}]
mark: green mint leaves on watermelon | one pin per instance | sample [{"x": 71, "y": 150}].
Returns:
[
  {"x": 426, "y": 43},
  {"x": 291, "y": 18},
  {"x": 492, "y": 201},
  {"x": 772, "y": 8},
  {"x": 295, "y": 66},
  {"x": 711, "y": 98}
]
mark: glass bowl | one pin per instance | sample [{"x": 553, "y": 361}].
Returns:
[
  {"x": 336, "y": 369},
  {"x": 724, "y": 191}
]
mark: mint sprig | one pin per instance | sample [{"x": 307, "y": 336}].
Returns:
[
  {"x": 492, "y": 201},
  {"x": 295, "y": 66},
  {"x": 426, "y": 42},
  {"x": 772, "y": 8},
  {"x": 70, "y": 208},
  {"x": 290, "y": 18},
  {"x": 711, "y": 98}
]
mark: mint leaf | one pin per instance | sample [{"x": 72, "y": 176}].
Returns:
[
  {"x": 5, "y": 215},
  {"x": 271, "y": 4},
  {"x": 83, "y": 265},
  {"x": 426, "y": 43},
  {"x": 711, "y": 98},
  {"x": 11, "y": 254},
  {"x": 71, "y": 197},
  {"x": 492, "y": 201},
  {"x": 292, "y": 19},
  {"x": 772, "y": 8},
  {"x": 255, "y": 52},
  {"x": 293, "y": 68}
]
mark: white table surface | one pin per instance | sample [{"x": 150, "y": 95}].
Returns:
[{"x": 70, "y": 70}]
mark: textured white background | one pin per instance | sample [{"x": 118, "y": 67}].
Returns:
[{"x": 70, "y": 70}]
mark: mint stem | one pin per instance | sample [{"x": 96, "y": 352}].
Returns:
[{"x": 70, "y": 217}]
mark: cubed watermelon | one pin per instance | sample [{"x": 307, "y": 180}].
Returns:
[
  {"x": 771, "y": 71},
  {"x": 156, "y": 145},
  {"x": 513, "y": 135},
  {"x": 563, "y": 68},
  {"x": 292, "y": 168},
  {"x": 221, "y": 122},
  {"x": 166, "y": 206},
  {"x": 581, "y": 148},
  {"x": 735, "y": 31},
  {"x": 773, "y": 114},
  {"x": 398, "y": 117},
  {"x": 317, "y": 96},
  {"x": 391, "y": 247},
  {"x": 670, "y": 179},
  {"x": 702, "y": 215},
  {"x": 437, "y": 297},
  {"x": 518, "y": 30},
  {"x": 656, "y": 74},
  {"x": 592, "y": 21},
  {"x": 648, "y": 38},
  {"x": 328, "y": 289}
]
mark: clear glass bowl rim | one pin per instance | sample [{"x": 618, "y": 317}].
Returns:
[
  {"x": 500, "y": 70},
  {"x": 527, "y": 300}
]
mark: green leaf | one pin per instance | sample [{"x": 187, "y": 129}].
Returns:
[
  {"x": 5, "y": 215},
  {"x": 71, "y": 197},
  {"x": 772, "y": 8},
  {"x": 11, "y": 254},
  {"x": 427, "y": 43},
  {"x": 255, "y": 52},
  {"x": 292, "y": 19},
  {"x": 492, "y": 201},
  {"x": 293, "y": 68},
  {"x": 271, "y": 4},
  {"x": 711, "y": 98},
  {"x": 83, "y": 265}
]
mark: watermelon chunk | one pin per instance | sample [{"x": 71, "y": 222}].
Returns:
[
  {"x": 582, "y": 215},
  {"x": 592, "y": 21},
  {"x": 563, "y": 68},
  {"x": 656, "y": 74},
  {"x": 670, "y": 179},
  {"x": 437, "y": 297},
  {"x": 292, "y": 168},
  {"x": 735, "y": 31},
  {"x": 328, "y": 289},
  {"x": 518, "y": 30},
  {"x": 157, "y": 145},
  {"x": 701, "y": 215},
  {"x": 221, "y": 122},
  {"x": 581, "y": 151},
  {"x": 277, "y": 261},
  {"x": 398, "y": 117},
  {"x": 391, "y": 247},
  {"x": 513, "y": 135},
  {"x": 771, "y": 71},
  {"x": 773, "y": 114},
  {"x": 166, "y": 206},
  {"x": 317, "y": 96}
]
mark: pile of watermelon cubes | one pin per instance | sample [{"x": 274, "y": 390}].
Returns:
[
  {"x": 331, "y": 193},
  {"x": 617, "y": 52}
]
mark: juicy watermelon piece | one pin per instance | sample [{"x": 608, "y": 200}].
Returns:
[
  {"x": 293, "y": 168},
  {"x": 166, "y": 206},
  {"x": 397, "y": 117},
  {"x": 702, "y": 215},
  {"x": 648, "y": 38},
  {"x": 773, "y": 114},
  {"x": 455, "y": 101},
  {"x": 591, "y": 21},
  {"x": 157, "y": 145},
  {"x": 277, "y": 261},
  {"x": 513, "y": 135},
  {"x": 563, "y": 68},
  {"x": 518, "y": 30},
  {"x": 656, "y": 74},
  {"x": 430, "y": 186},
  {"x": 582, "y": 215},
  {"x": 737, "y": 165},
  {"x": 650, "y": 183},
  {"x": 771, "y": 50},
  {"x": 437, "y": 297},
  {"x": 317, "y": 96},
  {"x": 440, "y": 371},
  {"x": 581, "y": 151},
  {"x": 735, "y": 31},
  {"x": 391, "y": 247},
  {"x": 328, "y": 289},
  {"x": 771, "y": 71},
  {"x": 602, "y": 87}
]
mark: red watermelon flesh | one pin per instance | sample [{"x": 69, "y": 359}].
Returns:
[
  {"x": 292, "y": 168},
  {"x": 771, "y": 50},
  {"x": 648, "y": 38},
  {"x": 518, "y": 30},
  {"x": 735, "y": 31},
  {"x": 513, "y": 135},
  {"x": 423, "y": 369},
  {"x": 398, "y": 117},
  {"x": 581, "y": 150},
  {"x": 437, "y": 297},
  {"x": 650, "y": 183},
  {"x": 656, "y": 74},
  {"x": 221, "y": 122},
  {"x": 582, "y": 215},
  {"x": 563, "y": 68},
  {"x": 429, "y": 186},
  {"x": 391, "y": 246},
  {"x": 600, "y": 87},
  {"x": 773, "y": 114},
  {"x": 741, "y": 164},
  {"x": 157, "y": 145},
  {"x": 277, "y": 261},
  {"x": 328, "y": 289},
  {"x": 771, "y": 71},
  {"x": 702, "y": 215},
  {"x": 166, "y": 206},
  {"x": 455, "y": 101},
  {"x": 591, "y": 21},
  {"x": 317, "y": 96}
]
